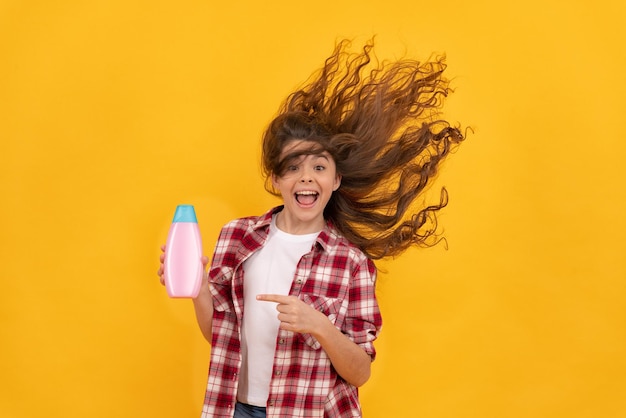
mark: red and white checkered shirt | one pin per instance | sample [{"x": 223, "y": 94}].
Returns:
[{"x": 336, "y": 278}]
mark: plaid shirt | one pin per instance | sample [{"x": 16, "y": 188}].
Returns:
[{"x": 336, "y": 278}]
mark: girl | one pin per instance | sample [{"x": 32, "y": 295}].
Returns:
[{"x": 289, "y": 303}]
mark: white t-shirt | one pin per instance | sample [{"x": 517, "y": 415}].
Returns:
[{"x": 268, "y": 271}]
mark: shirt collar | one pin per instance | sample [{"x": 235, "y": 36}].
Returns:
[{"x": 329, "y": 236}]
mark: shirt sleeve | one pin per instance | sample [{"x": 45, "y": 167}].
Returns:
[
  {"x": 222, "y": 266},
  {"x": 363, "y": 320}
]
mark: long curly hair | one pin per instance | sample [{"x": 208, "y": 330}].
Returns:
[{"x": 380, "y": 121}]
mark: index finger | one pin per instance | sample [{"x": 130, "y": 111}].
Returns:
[{"x": 273, "y": 298}]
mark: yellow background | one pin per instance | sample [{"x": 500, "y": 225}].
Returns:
[{"x": 113, "y": 112}]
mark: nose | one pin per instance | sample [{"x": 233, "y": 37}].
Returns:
[{"x": 306, "y": 177}]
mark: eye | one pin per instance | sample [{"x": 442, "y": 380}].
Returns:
[
  {"x": 292, "y": 168},
  {"x": 319, "y": 167}
]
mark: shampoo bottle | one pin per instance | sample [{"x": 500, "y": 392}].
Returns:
[{"x": 183, "y": 268}]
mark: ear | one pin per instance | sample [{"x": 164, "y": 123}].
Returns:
[{"x": 337, "y": 182}]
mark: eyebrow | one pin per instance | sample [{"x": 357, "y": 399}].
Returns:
[
  {"x": 301, "y": 156},
  {"x": 316, "y": 156},
  {"x": 324, "y": 154}
]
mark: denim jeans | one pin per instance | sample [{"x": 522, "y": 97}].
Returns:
[{"x": 243, "y": 410}]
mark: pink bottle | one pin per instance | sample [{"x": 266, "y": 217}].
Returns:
[{"x": 183, "y": 269}]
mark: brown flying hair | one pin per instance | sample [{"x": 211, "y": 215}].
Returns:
[{"x": 380, "y": 122}]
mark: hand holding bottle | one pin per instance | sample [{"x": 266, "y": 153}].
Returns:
[{"x": 160, "y": 272}]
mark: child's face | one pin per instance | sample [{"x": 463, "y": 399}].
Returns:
[{"x": 306, "y": 187}]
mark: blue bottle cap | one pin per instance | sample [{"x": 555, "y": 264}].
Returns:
[{"x": 185, "y": 213}]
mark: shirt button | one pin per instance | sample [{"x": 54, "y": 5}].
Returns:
[
  {"x": 298, "y": 281},
  {"x": 281, "y": 341},
  {"x": 277, "y": 373}
]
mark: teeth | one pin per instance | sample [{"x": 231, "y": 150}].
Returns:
[{"x": 306, "y": 192}]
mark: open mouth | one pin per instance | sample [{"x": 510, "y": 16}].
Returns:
[{"x": 306, "y": 197}]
